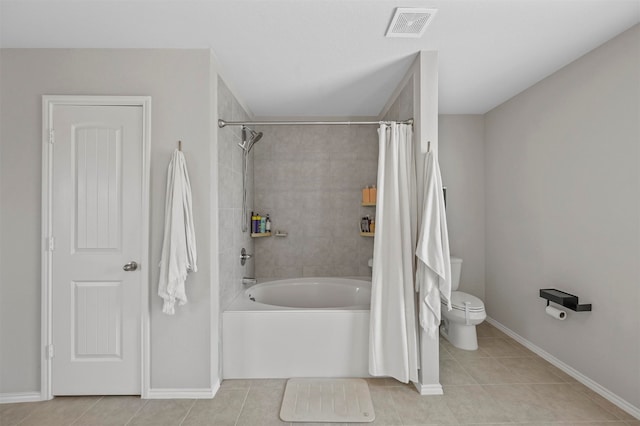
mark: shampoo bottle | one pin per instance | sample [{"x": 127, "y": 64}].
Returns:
[
  {"x": 256, "y": 226},
  {"x": 365, "y": 195}
]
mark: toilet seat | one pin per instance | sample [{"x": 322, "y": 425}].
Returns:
[{"x": 460, "y": 299}]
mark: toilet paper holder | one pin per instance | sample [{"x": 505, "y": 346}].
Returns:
[{"x": 565, "y": 299}]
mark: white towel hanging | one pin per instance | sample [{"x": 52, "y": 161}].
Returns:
[
  {"x": 433, "y": 269},
  {"x": 179, "y": 255}
]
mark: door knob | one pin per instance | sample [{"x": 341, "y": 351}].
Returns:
[{"x": 131, "y": 266}]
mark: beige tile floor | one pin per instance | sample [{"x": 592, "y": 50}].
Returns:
[{"x": 501, "y": 383}]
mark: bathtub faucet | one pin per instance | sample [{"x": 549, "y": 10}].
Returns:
[{"x": 249, "y": 280}]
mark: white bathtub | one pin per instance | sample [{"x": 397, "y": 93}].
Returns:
[{"x": 305, "y": 327}]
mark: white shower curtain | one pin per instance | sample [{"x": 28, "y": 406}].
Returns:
[{"x": 393, "y": 346}]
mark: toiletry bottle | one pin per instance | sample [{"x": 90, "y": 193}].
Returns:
[
  {"x": 372, "y": 226},
  {"x": 256, "y": 224},
  {"x": 268, "y": 224},
  {"x": 263, "y": 224},
  {"x": 365, "y": 195},
  {"x": 373, "y": 194}
]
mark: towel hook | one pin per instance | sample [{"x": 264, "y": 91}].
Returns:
[{"x": 179, "y": 145}]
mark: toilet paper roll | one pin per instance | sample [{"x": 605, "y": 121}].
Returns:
[{"x": 556, "y": 313}]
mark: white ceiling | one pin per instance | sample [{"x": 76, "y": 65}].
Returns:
[{"x": 303, "y": 58}]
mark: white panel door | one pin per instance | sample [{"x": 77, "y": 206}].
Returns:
[{"x": 96, "y": 224}]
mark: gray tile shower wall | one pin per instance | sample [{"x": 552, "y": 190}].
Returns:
[
  {"x": 231, "y": 238},
  {"x": 309, "y": 180}
]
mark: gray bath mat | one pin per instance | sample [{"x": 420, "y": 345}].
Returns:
[{"x": 327, "y": 400}]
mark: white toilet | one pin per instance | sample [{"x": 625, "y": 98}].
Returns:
[{"x": 458, "y": 325}]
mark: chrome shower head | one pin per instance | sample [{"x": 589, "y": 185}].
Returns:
[{"x": 253, "y": 138}]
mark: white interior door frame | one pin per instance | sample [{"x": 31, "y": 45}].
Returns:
[{"x": 48, "y": 104}]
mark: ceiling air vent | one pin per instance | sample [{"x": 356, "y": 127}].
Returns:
[{"x": 410, "y": 22}]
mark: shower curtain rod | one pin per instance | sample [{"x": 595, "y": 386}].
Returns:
[{"x": 223, "y": 123}]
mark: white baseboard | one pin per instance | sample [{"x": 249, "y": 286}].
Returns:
[
  {"x": 428, "y": 389},
  {"x": 198, "y": 393},
  {"x": 204, "y": 393},
  {"x": 594, "y": 386},
  {"x": 9, "y": 398}
]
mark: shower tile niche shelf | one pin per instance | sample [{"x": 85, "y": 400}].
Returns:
[
  {"x": 261, "y": 234},
  {"x": 368, "y": 234}
]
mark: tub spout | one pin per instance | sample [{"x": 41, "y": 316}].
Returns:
[{"x": 249, "y": 280}]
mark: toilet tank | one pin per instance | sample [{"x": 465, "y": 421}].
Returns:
[{"x": 456, "y": 268}]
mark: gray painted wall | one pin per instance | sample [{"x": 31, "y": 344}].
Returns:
[
  {"x": 402, "y": 106},
  {"x": 563, "y": 209},
  {"x": 461, "y": 156},
  {"x": 178, "y": 82},
  {"x": 231, "y": 238},
  {"x": 309, "y": 180}
]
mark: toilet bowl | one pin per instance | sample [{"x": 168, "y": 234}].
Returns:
[{"x": 458, "y": 325}]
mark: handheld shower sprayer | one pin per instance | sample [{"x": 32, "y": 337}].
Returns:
[
  {"x": 253, "y": 138},
  {"x": 246, "y": 145}
]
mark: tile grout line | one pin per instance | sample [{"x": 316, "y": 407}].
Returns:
[
  {"x": 85, "y": 411},
  {"x": 188, "y": 411},
  {"x": 529, "y": 383},
  {"x": 465, "y": 370},
  {"x": 395, "y": 409},
  {"x": 25, "y": 417},
  {"x": 398, "y": 416},
  {"x": 495, "y": 400},
  {"x": 137, "y": 411},
  {"x": 244, "y": 401},
  {"x": 593, "y": 398}
]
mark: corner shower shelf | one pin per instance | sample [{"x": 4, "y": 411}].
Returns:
[
  {"x": 261, "y": 234},
  {"x": 565, "y": 299},
  {"x": 368, "y": 234}
]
